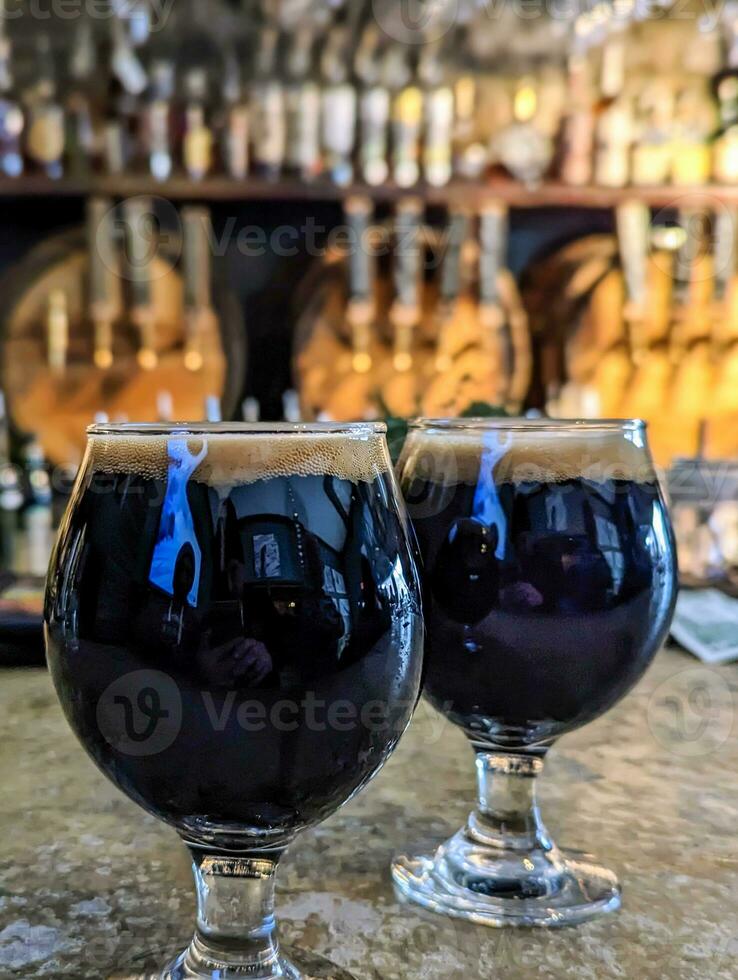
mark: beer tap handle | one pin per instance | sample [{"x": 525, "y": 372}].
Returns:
[
  {"x": 103, "y": 264},
  {"x": 140, "y": 230},
  {"x": 407, "y": 272},
  {"x": 361, "y": 303},
  {"x": 492, "y": 260},
  {"x": 633, "y": 222},
  {"x": 197, "y": 274}
]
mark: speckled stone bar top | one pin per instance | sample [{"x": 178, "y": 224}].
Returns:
[{"x": 88, "y": 882}]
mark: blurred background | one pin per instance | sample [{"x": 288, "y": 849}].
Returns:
[{"x": 323, "y": 209}]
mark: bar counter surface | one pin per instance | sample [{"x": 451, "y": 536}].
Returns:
[{"x": 89, "y": 883}]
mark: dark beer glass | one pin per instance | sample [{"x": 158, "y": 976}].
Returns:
[
  {"x": 549, "y": 580},
  {"x": 233, "y": 628}
]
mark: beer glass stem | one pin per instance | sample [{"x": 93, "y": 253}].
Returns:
[
  {"x": 236, "y": 930},
  {"x": 507, "y": 815}
]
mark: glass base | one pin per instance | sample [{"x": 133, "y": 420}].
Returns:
[
  {"x": 499, "y": 886},
  {"x": 292, "y": 964}
]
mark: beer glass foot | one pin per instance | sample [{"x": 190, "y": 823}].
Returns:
[
  {"x": 467, "y": 881},
  {"x": 502, "y": 869},
  {"x": 292, "y": 964}
]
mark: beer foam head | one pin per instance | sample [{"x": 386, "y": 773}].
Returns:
[
  {"x": 237, "y": 455},
  {"x": 522, "y": 451}
]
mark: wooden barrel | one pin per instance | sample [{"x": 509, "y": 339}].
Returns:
[
  {"x": 57, "y": 403},
  {"x": 454, "y": 359},
  {"x": 669, "y": 367}
]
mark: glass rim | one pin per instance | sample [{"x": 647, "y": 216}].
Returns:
[
  {"x": 350, "y": 429},
  {"x": 528, "y": 425}
]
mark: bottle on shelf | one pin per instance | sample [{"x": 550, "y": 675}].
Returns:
[
  {"x": 694, "y": 123},
  {"x": 82, "y": 122},
  {"x": 522, "y": 148},
  {"x": 653, "y": 151},
  {"x": 407, "y": 121},
  {"x": 198, "y": 308},
  {"x": 235, "y": 133},
  {"x": 339, "y": 108},
  {"x": 268, "y": 109},
  {"x": 303, "y": 102},
  {"x": 141, "y": 242},
  {"x": 374, "y": 109},
  {"x": 103, "y": 266},
  {"x": 45, "y": 131},
  {"x": 438, "y": 117},
  {"x": 197, "y": 144},
  {"x": 158, "y": 121},
  {"x": 12, "y": 120},
  {"x": 578, "y": 125}
]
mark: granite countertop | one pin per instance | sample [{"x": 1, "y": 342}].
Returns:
[{"x": 87, "y": 880}]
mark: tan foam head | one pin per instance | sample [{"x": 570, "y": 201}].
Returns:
[
  {"x": 229, "y": 459},
  {"x": 527, "y": 454}
]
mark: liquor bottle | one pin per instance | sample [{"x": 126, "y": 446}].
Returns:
[
  {"x": 141, "y": 249},
  {"x": 457, "y": 232},
  {"x": 407, "y": 124},
  {"x": 725, "y": 149},
  {"x": 694, "y": 122},
  {"x": 197, "y": 282},
  {"x": 197, "y": 148},
  {"x": 578, "y": 127},
  {"x": 614, "y": 130},
  {"x": 82, "y": 124},
  {"x": 158, "y": 121},
  {"x": 268, "y": 109},
  {"x": 470, "y": 151},
  {"x": 438, "y": 108},
  {"x": 361, "y": 311},
  {"x": 45, "y": 133},
  {"x": 522, "y": 148},
  {"x": 653, "y": 151},
  {"x": 57, "y": 331},
  {"x": 303, "y": 100},
  {"x": 339, "y": 108},
  {"x": 374, "y": 109},
  {"x": 406, "y": 309},
  {"x": 236, "y": 123},
  {"x": 103, "y": 263},
  {"x": 12, "y": 120}
]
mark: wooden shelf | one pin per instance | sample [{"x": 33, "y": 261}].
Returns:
[{"x": 470, "y": 193}]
